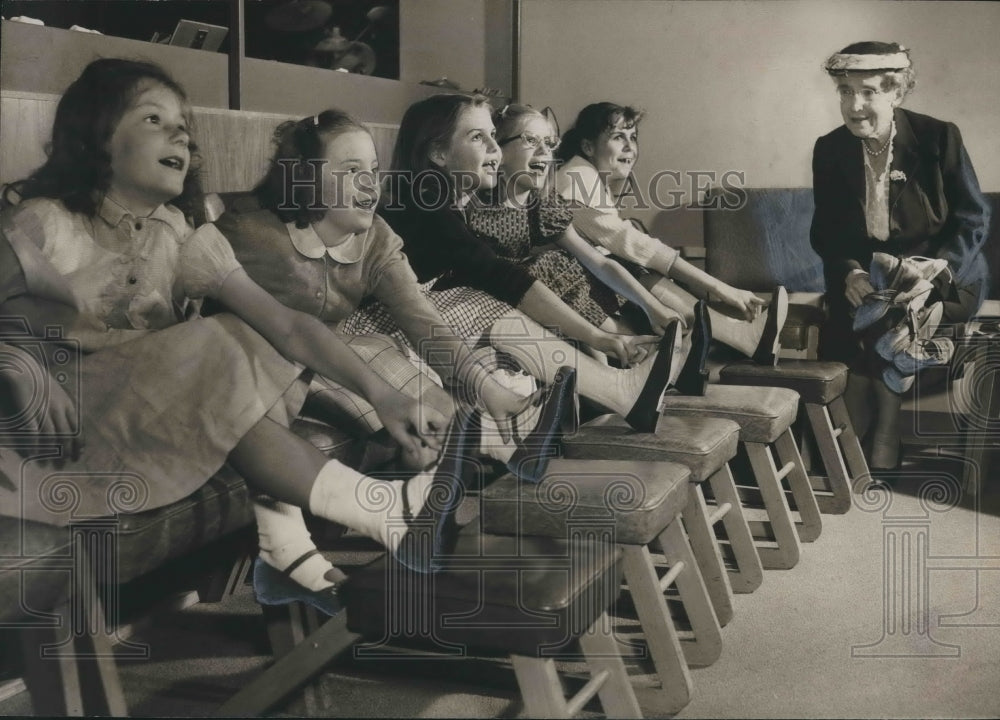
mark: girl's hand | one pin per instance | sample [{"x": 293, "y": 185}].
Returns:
[
  {"x": 660, "y": 317},
  {"x": 628, "y": 349},
  {"x": 857, "y": 285},
  {"x": 54, "y": 424},
  {"x": 416, "y": 426},
  {"x": 744, "y": 302}
]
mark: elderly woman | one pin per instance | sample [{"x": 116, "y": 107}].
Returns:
[{"x": 900, "y": 224}]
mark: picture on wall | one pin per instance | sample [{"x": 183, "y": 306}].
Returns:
[{"x": 354, "y": 36}]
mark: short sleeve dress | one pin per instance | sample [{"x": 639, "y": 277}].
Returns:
[
  {"x": 161, "y": 401},
  {"x": 517, "y": 233}
]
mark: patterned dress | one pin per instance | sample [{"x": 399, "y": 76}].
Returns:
[
  {"x": 520, "y": 234},
  {"x": 161, "y": 401}
]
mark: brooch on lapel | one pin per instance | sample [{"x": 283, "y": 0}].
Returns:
[{"x": 897, "y": 176}]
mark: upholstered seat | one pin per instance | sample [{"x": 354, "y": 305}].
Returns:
[
  {"x": 46, "y": 574},
  {"x": 815, "y": 381},
  {"x": 638, "y": 504},
  {"x": 636, "y": 499},
  {"x": 701, "y": 444},
  {"x": 538, "y": 592},
  {"x": 704, "y": 445},
  {"x": 762, "y": 413},
  {"x": 526, "y": 597}
]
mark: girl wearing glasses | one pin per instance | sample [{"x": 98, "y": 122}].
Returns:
[
  {"x": 597, "y": 156},
  {"x": 521, "y": 219}
]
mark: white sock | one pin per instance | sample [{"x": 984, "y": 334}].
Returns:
[
  {"x": 371, "y": 507},
  {"x": 283, "y": 538},
  {"x": 491, "y": 443}
]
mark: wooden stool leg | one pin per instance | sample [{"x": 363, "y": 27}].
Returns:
[
  {"x": 292, "y": 670},
  {"x": 786, "y": 555},
  {"x": 78, "y": 676},
  {"x": 603, "y": 656},
  {"x": 657, "y": 627},
  {"x": 749, "y": 573},
  {"x": 706, "y": 551},
  {"x": 707, "y": 645},
  {"x": 827, "y": 433},
  {"x": 811, "y": 522},
  {"x": 287, "y": 626},
  {"x": 857, "y": 466},
  {"x": 540, "y": 686}
]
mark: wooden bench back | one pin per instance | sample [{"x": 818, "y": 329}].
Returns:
[{"x": 235, "y": 144}]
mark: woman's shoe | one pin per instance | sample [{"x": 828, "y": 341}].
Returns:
[
  {"x": 924, "y": 353},
  {"x": 694, "y": 376},
  {"x": 770, "y": 340},
  {"x": 431, "y": 534},
  {"x": 276, "y": 587},
  {"x": 645, "y": 412},
  {"x": 559, "y": 416},
  {"x": 896, "y": 381},
  {"x": 873, "y": 309}
]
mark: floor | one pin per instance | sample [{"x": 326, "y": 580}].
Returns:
[{"x": 893, "y": 612}]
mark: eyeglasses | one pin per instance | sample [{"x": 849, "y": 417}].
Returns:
[{"x": 532, "y": 141}]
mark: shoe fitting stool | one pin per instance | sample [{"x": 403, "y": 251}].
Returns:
[
  {"x": 704, "y": 446},
  {"x": 821, "y": 387},
  {"x": 765, "y": 416},
  {"x": 639, "y": 504},
  {"x": 526, "y": 598}
]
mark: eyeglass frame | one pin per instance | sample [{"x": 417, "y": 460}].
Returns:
[{"x": 533, "y": 142}]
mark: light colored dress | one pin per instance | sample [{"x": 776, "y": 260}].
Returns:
[
  {"x": 597, "y": 219},
  {"x": 162, "y": 401},
  {"x": 367, "y": 270}
]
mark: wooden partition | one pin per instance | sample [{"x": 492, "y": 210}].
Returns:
[{"x": 235, "y": 145}]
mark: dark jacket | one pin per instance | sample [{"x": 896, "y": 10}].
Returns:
[
  {"x": 937, "y": 211},
  {"x": 439, "y": 243}
]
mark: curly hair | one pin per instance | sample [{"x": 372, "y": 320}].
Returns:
[
  {"x": 78, "y": 167},
  {"x": 293, "y": 187},
  {"x": 591, "y": 122}
]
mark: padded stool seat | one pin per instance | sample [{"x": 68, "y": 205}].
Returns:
[
  {"x": 704, "y": 445},
  {"x": 815, "y": 381},
  {"x": 526, "y": 597},
  {"x": 635, "y": 499},
  {"x": 638, "y": 504},
  {"x": 701, "y": 444},
  {"x": 765, "y": 416},
  {"x": 821, "y": 386}
]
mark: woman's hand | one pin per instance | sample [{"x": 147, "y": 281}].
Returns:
[
  {"x": 857, "y": 285},
  {"x": 746, "y": 304},
  {"x": 660, "y": 317}
]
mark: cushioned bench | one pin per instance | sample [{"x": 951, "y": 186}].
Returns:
[
  {"x": 50, "y": 578},
  {"x": 637, "y": 504},
  {"x": 530, "y": 599}
]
